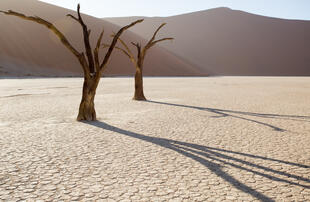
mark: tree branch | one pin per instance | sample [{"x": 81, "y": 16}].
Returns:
[
  {"x": 88, "y": 48},
  {"x": 138, "y": 46},
  {"x": 160, "y": 40},
  {"x": 155, "y": 33},
  {"x": 125, "y": 46},
  {"x": 151, "y": 41},
  {"x": 79, "y": 15},
  {"x": 74, "y": 18},
  {"x": 128, "y": 54},
  {"x": 63, "y": 39},
  {"x": 96, "y": 52},
  {"x": 124, "y": 51},
  {"x": 48, "y": 25},
  {"x": 114, "y": 41},
  {"x": 105, "y": 45}
]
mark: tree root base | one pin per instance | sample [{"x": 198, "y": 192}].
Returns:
[{"x": 139, "y": 98}]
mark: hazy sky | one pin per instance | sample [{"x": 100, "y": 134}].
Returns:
[{"x": 290, "y": 9}]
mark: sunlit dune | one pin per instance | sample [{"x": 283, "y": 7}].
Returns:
[
  {"x": 31, "y": 49},
  {"x": 230, "y": 42}
]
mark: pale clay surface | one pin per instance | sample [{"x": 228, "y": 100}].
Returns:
[{"x": 202, "y": 139}]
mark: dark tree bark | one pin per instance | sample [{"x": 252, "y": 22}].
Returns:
[
  {"x": 92, "y": 68},
  {"x": 138, "y": 62},
  {"x": 87, "y": 105},
  {"x": 139, "y": 94}
]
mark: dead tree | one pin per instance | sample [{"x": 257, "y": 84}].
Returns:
[
  {"x": 92, "y": 67},
  {"x": 138, "y": 62}
]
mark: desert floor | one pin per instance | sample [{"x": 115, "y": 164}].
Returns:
[{"x": 196, "y": 139}]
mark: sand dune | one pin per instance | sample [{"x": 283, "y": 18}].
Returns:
[
  {"x": 229, "y": 42},
  {"x": 30, "y": 49}
]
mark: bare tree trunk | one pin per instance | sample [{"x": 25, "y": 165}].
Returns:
[
  {"x": 139, "y": 60},
  {"x": 87, "y": 107},
  {"x": 139, "y": 95},
  {"x": 91, "y": 66}
]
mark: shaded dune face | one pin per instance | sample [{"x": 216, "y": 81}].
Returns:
[
  {"x": 229, "y": 42},
  {"x": 31, "y": 49}
]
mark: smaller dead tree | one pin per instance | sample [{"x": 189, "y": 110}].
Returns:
[
  {"x": 89, "y": 61},
  {"x": 139, "y": 61}
]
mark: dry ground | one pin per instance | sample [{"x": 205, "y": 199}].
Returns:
[{"x": 197, "y": 139}]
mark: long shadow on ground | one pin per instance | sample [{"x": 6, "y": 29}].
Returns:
[
  {"x": 230, "y": 113},
  {"x": 214, "y": 159}
]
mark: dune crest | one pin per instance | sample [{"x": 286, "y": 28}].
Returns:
[
  {"x": 28, "y": 49},
  {"x": 223, "y": 41}
]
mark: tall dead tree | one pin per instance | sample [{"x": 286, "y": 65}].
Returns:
[
  {"x": 92, "y": 67},
  {"x": 139, "y": 60}
]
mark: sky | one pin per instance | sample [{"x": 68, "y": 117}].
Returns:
[{"x": 288, "y": 9}]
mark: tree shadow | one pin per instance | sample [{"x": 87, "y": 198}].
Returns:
[
  {"x": 215, "y": 159},
  {"x": 230, "y": 113}
]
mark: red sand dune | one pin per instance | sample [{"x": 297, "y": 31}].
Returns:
[
  {"x": 27, "y": 48},
  {"x": 229, "y": 42}
]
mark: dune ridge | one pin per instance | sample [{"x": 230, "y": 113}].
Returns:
[
  {"x": 223, "y": 41},
  {"x": 28, "y": 49}
]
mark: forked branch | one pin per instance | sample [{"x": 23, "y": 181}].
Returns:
[
  {"x": 86, "y": 34},
  {"x": 152, "y": 41},
  {"x": 113, "y": 44},
  {"x": 155, "y": 33},
  {"x": 138, "y": 46},
  {"x": 63, "y": 39},
  {"x": 96, "y": 52},
  {"x": 73, "y": 17},
  {"x": 126, "y": 50},
  {"x": 160, "y": 40},
  {"x": 92, "y": 67},
  {"x": 48, "y": 25}
]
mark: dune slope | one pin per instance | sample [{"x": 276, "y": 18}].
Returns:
[
  {"x": 31, "y": 49},
  {"x": 231, "y": 42}
]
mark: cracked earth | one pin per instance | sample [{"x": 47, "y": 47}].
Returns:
[{"x": 196, "y": 139}]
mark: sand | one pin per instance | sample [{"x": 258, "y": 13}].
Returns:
[
  {"x": 29, "y": 49},
  {"x": 197, "y": 139},
  {"x": 234, "y": 43}
]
